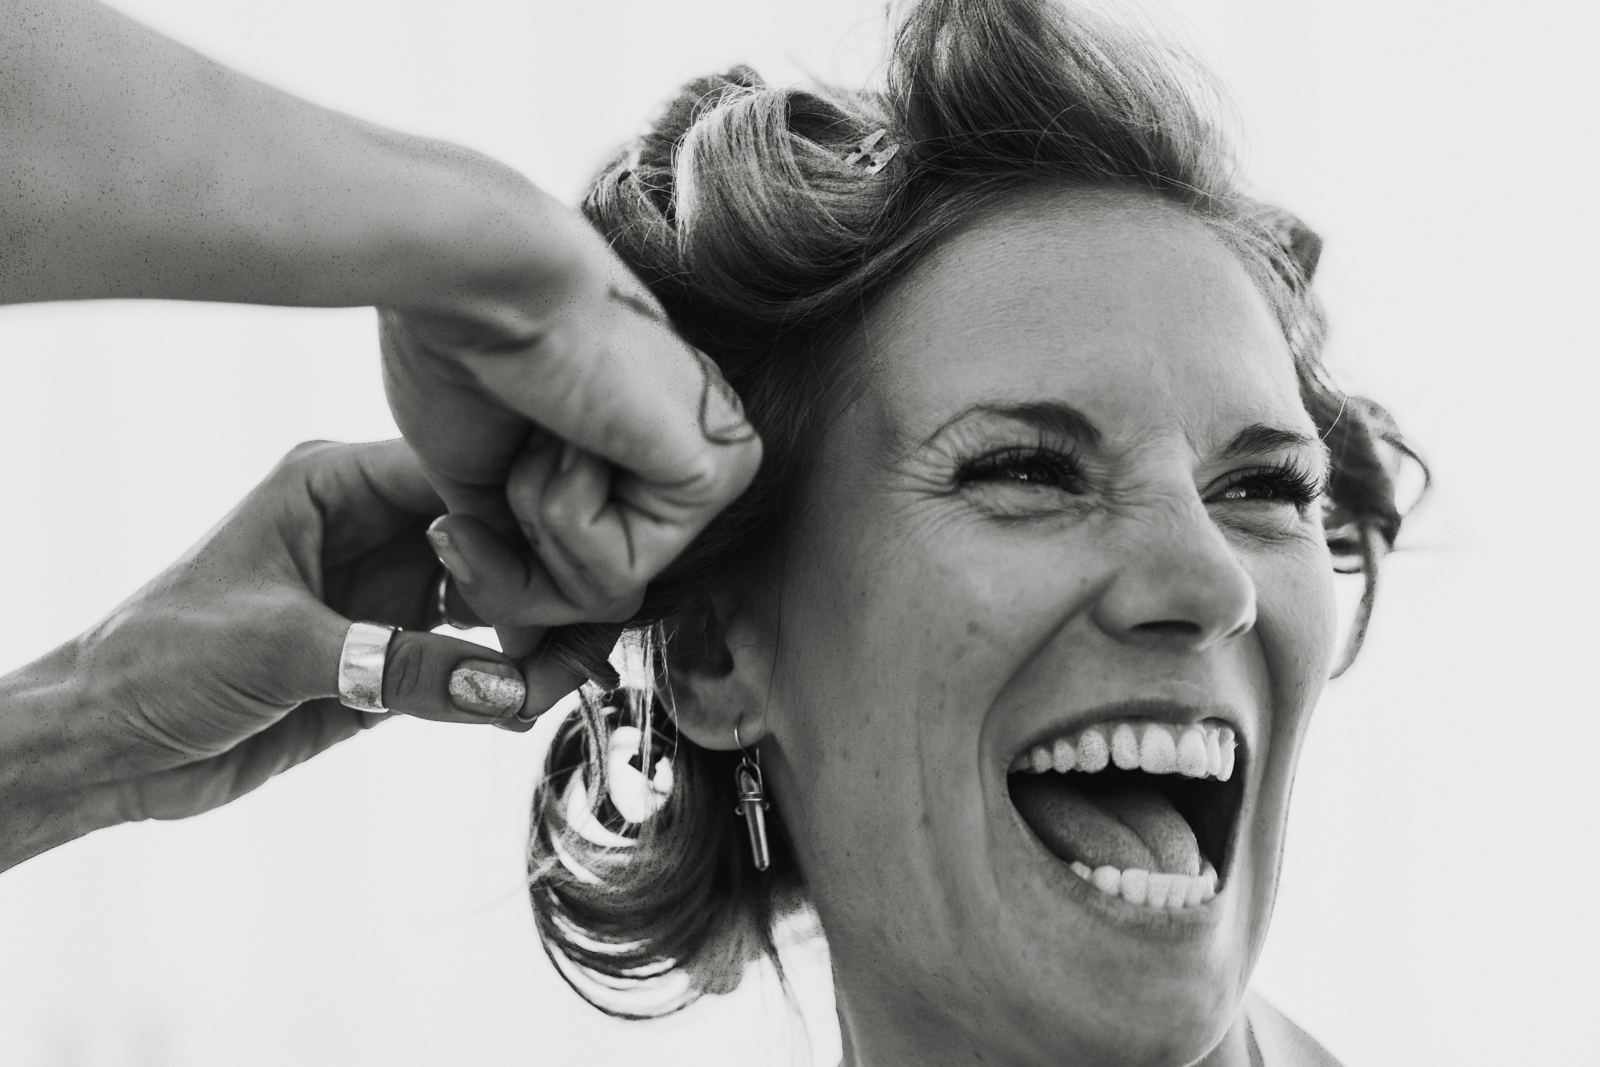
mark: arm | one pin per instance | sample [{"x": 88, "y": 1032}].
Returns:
[
  {"x": 43, "y": 802},
  {"x": 138, "y": 168}
]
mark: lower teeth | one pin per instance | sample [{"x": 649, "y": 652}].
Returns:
[{"x": 1172, "y": 892}]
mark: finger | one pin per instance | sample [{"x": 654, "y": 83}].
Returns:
[
  {"x": 588, "y": 355},
  {"x": 548, "y": 681},
  {"x": 616, "y": 381},
  {"x": 464, "y": 586},
  {"x": 454, "y": 607},
  {"x": 464, "y": 437},
  {"x": 433, "y": 676},
  {"x": 366, "y": 493},
  {"x": 560, "y": 496},
  {"x": 430, "y": 676},
  {"x": 504, "y": 587}
]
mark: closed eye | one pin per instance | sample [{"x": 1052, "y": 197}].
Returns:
[{"x": 1033, "y": 467}]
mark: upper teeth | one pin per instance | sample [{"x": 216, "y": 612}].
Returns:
[{"x": 1195, "y": 750}]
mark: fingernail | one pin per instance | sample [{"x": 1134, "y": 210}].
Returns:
[
  {"x": 445, "y": 548},
  {"x": 722, "y": 420},
  {"x": 485, "y": 688},
  {"x": 569, "y": 455}
]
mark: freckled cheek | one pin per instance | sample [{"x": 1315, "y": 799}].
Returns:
[
  {"x": 890, "y": 662},
  {"x": 895, "y": 647}
]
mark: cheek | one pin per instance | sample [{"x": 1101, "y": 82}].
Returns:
[
  {"x": 890, "y": 658},
  {"x": 1297, "y": 620}
]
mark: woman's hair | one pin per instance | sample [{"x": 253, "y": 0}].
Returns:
[{"x": 766, "y": 244}]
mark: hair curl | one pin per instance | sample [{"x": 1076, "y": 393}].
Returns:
[{"x": 766, "y": 248}]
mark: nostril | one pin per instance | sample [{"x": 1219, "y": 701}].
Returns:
[{"x": 1169, "y": 627}]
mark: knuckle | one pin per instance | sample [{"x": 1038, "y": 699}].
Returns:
[
  {"x": 306, "y": 451},
  {"x": 404, "y": 668},
  {"x": 557, "y": 511},
  {"x": 300, "y": 462}
]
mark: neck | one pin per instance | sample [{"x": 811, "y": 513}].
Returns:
[{"x": 878, "y": 1032}]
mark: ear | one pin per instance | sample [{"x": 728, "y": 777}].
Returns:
[{"x": 719, "y": 664}]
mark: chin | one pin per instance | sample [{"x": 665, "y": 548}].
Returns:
[{"x": 1140, "y": 873}]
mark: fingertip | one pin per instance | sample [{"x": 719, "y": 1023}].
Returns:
[
  {"x": 485, "y": 687},
  {"x": 433, "y": 676},
  {"x": 446, "y": 546}
]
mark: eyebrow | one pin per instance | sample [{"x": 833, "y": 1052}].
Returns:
[
  {"x": 1049, "y": 416},
  {"x": 1063, "y": 420},
  {"x": 1255, "y": 439}
]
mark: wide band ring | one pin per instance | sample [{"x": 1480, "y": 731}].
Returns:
[{"x": 366, "y": 645}]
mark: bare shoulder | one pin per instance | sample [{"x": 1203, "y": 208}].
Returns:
[{"x": 1275, "y": 1041}]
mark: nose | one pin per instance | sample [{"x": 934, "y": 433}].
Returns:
[{"x": 1180, "y": 584}]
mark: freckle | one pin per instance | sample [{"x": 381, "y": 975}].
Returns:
[{"x": 973, "y": 627}]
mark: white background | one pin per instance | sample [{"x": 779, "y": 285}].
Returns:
[{"x": 1439, "y": 895}]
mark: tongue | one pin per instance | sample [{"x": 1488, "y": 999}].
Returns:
[{"x": 1124, "y": 824}]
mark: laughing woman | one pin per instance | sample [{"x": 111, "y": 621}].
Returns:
[{"x": 1004, "y": 664}]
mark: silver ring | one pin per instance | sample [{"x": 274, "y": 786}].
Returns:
[
  {"x": 366, "y": 645},
  {"x": 441, "y": 602}
]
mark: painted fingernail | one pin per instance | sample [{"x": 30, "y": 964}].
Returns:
[
  {"x": 445, "y": 548},
  {"x": 485, "y": 688}
]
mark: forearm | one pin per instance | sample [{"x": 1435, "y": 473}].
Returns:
[
  {"x": 138, "y": 168},
  {"x": 51, "y": 774}
]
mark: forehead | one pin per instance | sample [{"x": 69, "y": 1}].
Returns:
[{"x": 1125, "y": 307}]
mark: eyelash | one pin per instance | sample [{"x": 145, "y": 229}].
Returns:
[
  {"x": 1287, "y": 482},
  {"x": 1038, "y": 465},
  {"x": 1035, "y": 465}
]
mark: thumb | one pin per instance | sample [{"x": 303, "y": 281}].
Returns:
[{"x": 433, "y": 676}]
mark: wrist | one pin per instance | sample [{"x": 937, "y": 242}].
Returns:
[
  {"x": 380, "y": 218},
  {"x": 51, "y": 790}
]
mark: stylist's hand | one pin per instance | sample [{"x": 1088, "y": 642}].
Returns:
[
  {"x": 556, "y": 343},
  {"x": 223, "y": 671}
]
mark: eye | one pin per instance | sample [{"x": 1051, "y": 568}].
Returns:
[
  {"x": 1281, "y": 484},
  {"x": 1029, "y": 468}
]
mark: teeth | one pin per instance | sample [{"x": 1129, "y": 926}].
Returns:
[
  {"x": 1093, "y": 750},
  {"x": 1192, "y": 762},
  {"x": 1124, "y": 746},
  {"x": 1194, "y": 750},
  {"x": 1158, "y": 752},
  {"x": 1162, "y": 888},
  {"x": 1170, "y": 892}
]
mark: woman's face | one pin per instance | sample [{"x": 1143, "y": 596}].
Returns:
[{"x": 1073, "y": 497}]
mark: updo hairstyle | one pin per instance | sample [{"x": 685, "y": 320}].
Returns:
[{"x": 766, "y": 248}]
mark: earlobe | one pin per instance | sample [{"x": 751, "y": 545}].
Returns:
[{"x": 714, "y": 655}]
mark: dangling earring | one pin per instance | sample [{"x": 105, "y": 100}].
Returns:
[{"x": 752, "y": 803}]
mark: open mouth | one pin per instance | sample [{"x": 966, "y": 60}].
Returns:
[{"x": 1139, "y": 809}]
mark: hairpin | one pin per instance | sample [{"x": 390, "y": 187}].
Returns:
[{"x": 867, "y": 154}]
